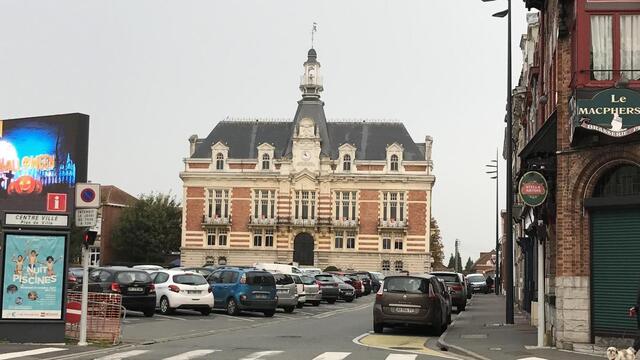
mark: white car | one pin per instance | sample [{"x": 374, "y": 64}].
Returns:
[
  {"x": 148, "y": 268},
  {"x": 179, "y": 289},
  {"x": 302, "y": 296},
  {"x": 311, "y": 271}
]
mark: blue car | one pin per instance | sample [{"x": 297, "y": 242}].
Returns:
[{"x": 243, "y": 289}]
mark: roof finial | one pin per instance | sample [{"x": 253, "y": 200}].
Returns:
[{"x": 314, "y": 28}]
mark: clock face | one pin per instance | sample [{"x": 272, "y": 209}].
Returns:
[{"x": 306, "y": 155}]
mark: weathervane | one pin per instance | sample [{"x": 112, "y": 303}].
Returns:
[{"x": 314, "y": 28}]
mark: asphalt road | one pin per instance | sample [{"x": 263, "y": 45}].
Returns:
[{"x": 327, "y": 332}]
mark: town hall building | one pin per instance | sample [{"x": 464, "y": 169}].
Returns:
[{"x": 355, "y": 195}]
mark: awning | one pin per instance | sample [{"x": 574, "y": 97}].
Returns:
[{"x": 544, "y": 142}]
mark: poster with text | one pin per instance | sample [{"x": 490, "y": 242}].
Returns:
[{"x": 33, "y": 276}]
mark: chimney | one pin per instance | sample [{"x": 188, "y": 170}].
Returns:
[{"x": 192, "y": 144}]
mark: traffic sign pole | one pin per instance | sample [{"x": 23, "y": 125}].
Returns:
[{"x": 85, "y": 297}]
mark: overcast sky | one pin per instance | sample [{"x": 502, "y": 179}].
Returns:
[{"x": 151, "y": 73}]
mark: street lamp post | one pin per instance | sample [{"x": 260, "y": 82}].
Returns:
[
  {"x": 508, "y": 248},
  {"x": 495, "y": 167}
]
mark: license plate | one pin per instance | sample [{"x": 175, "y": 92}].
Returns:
[
  {"x": 193, "y": 291},
  {"x": 404, "y": 310},
  {"x": 261, "y": 296},
  {"x": 136, "y": 289}
]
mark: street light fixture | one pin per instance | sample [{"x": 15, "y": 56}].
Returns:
[
  {"x": 494, "y": 165},
  {"x": 508, "y": 248}
]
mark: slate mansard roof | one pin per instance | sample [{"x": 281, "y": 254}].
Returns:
[{"x": 369, "y": 138}]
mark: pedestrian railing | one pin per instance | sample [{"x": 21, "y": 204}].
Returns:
[{"x": 104, "y": 317}]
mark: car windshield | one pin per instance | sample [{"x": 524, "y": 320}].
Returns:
[
  {"x": 128, "y": 277},
  {"x": 475, "y": 278},
  {"x": 260, "y": 278},
  {"x": 406, "y": 284},
  {"x": 76, "y": 272},
  {"x": 307, "y": 280},
  {"x": 282, "y": 279},
  {"x": 296, "y": 279},
  {"x": 448, "y": 277},
  {"x": 325, "y": 278},
  {"x": 189, "y": 279}
]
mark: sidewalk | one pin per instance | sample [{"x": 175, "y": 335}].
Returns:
[{"x": 480, "y": 332}]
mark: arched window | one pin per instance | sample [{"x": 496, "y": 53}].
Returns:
[
  {"x": 219, "y": 161},
  {"x": 620, "y": 181},
  {"x": 346, "y": 163},
  {"x": 398, "y": 266},
  {"x": 266, "y": 162},
  {"x": 386, "y": 265},
  {"x": 394, "y": 162}
]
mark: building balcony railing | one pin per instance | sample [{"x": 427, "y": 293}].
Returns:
[
  {"x": 254, "y": 221},
  {"x": 346, "y": 223},
  {"x": 392, "y": 224},
  {"x": 304, "y": 222},
  {"x": 216, "y": 221}
]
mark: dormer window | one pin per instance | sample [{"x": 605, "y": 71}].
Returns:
[
  {"x": 219, "y": 161},
  {"x": 346, "y": 163},
  {"x": 394, "y": 162},
  {"x": 266, "y": 162}
]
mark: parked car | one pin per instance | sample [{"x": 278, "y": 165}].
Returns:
[
  {"x": 302, "y": 296},
  {"x": 74, "y": 276},
  {"x": 447, "y": 295},
  {"x": 282, "y": 268},
  {"x": 457, "y": 288},
  {"x": 180, "y": 289},
  {"x": 311, "y": 271},
  {"x": 135, "y": 286},
  {"x": 345, "y": 290},
  {"x": 244, "y": 289},
  {"x": 366, "y": 282},
  {"x": 313, "y": 294},
  {"x": 373, "y": 281},
  {"x": 410, "y": 300},
  {"x": 478, "y": 283},
  {"x": 329, "y": 287},
  {"x": 468, "y": 286},
  {"x": 287, "y": 292},
  {"x": 204, "y": 271},
  {"x": 351, "y": 279},
  {"x": 378, "y": 276},
  {"x": 148, "y": 268}
]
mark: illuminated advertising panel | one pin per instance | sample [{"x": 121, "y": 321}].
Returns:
[{"x": 41, "y": 159}]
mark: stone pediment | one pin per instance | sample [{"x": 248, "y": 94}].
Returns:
[
  {"x": 395, "y": 147},
  {"x": 305, "y": 180},
  {"x": 346, "y": 147},
  {"x": 219, "y": 146},
  {"x": 266, "y": 147}
]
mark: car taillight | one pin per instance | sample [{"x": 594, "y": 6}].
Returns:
[
  {"x": 379, "y": 294},
  {"x": 152, "y": 288},
  {"x": 319, "y": 283},
  {"x": 209, "y": 289},
  {"x": 457, "y": 287},
  {"x": 174, "y": 288},
  {"x": 115, "y": 287},
  {"x": 243, "y": 279}
]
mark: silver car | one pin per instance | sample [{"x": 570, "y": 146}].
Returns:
[
  {"x": 287, "y": 292},
  {"x": 312, "y": 291}
]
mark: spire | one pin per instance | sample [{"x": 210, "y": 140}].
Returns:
[{"x": 311, "y": 81}]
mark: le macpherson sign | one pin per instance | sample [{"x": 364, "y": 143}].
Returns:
[{"x": 613, "y": 112}]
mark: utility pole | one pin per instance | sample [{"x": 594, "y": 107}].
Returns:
[
  {"x": 495, "y": 171},
  {"x": 457, "y": 255}
]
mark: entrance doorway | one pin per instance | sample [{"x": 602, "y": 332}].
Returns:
[{"x": 303, "y": 249}]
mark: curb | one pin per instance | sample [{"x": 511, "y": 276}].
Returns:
[{"x": 444, "y": 346}]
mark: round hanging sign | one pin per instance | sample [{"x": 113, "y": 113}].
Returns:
[{"x": 533, "y": 188}]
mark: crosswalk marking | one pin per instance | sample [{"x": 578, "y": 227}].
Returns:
[
  {"x": 123, "y": 355},
  {"x": 261, "y": 355},
  {"x": 18, "y": 354},
  {"x": 332, "y": 356},
  {"x": 401, "y": 357},
  {"x": 191, "y": 355}
]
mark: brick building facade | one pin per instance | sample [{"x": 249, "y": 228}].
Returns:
[
  {"x": 318, "y": 193},
  {"x": 575, "y": 116}
]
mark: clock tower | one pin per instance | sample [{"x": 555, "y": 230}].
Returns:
[{"x": 306, "y": 146}]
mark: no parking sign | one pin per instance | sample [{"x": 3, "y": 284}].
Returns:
[{"x": 87, "y": 195}]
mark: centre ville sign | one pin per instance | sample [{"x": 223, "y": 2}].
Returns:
[{"x": 613, "y": 112}]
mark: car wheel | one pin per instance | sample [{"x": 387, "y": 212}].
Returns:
[
  {"x": 165, "y": 308},
  {"x": 349, "y": 299},
  {"x": 300, "y": 305},
  {"x": 461, "y": 308},
  {"x": 269, "y": 313},
  {"x": 378, "y": 328},
  {"x": 149, "y": 312},
  {"x": 448, "y": 319},
  {"x": 331, "y": 301},
  {"x": 316, "y": 303},
  {"x": 205, "y": 312},
  {"x": 232, "y": 307},
  {"x": 289, "y": 309}
]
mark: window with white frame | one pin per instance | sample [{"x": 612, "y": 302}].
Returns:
[
  {"x": 345, "y": 205},
  {"x": 217, "y": 237},
  {"x": 386, "y": 265},
  {"x": 392, "y": 241},
  {"x": 394, "y": 162},
  {"x": 217, "y": 203},
  {"x": 393, "y": 206},
  {"x": 219, "y": 161},
  {"x": 398, "y": 265},
  {"x": 338, "y": 242},
  {"x": 398, "y": 243},
  {"x": 346, "y": 163},
  {"x": 266, "y": 162},
  {"x": 344, "y": 240},
  {"x": 263, "y": 238},
  {"x": 386, "y": 241},
  {"x": 351, "y": 239},
  {"x": 305, "y": 205},
  {"x": 264, "y": 204}
]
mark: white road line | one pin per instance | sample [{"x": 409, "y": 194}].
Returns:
[
  {"x": 191, "y": 355},
  {"x": 286, "y": 317},
  {"x": 18, "y": 354},
  {"x": 332, "y": 356},
  {"x": 123, "y": 355},
  {"x": 401, "y": 357},
  {"x": 305, "y": 313},
  {"x": 261, "y": 355},
  {"x": 239, "y": 318},
  {"x": 170, "y": 317}
]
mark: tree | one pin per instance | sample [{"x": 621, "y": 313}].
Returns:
[
  {"x": 331, "y": 268},
  {"x": 435, "y": 243},
  {"x": 468, "y": 267},
  {"x": 452, "y": 263},
  {"x": 149, "y": 230}
]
